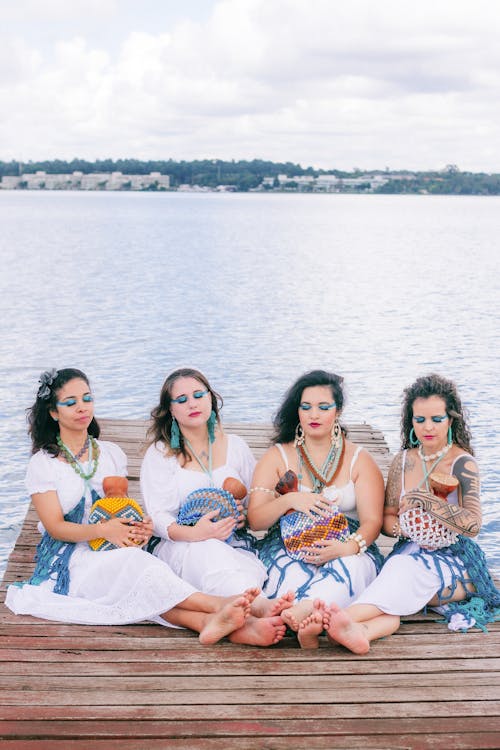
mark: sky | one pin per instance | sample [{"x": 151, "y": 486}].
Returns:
[{"x": 366, "y": 84}]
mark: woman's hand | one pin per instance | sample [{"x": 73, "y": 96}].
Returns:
[
  {"x": 310, "y": 503},
  {"x": 242, "y": 517},
  {"x": 322, "y": 551},
  {"x": 206, "y": 528},
  {"x": 117, "y": 531},
  {"x": 140, "y": 532}
]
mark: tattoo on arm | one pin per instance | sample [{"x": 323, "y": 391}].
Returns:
[
  {"x": 465, "y": 518},
  {"x": 393, "y": 489}
]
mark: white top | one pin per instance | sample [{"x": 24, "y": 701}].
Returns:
[
  {"x": 46, "y": 472},
  {"x": 165, "y": 484},
  {"x": 345, "y": 497}
]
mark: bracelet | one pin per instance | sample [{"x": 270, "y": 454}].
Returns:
[
  {"x": 261, "y": 489},
  {"x": 360, "y": 541}
]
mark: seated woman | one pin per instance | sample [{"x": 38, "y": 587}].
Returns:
[
  {"x": 331, "y": 470},
  {"x": 190, "y": 451},
  {"x": 74, "y": 583},
  {"x": 433, "y": 506}
]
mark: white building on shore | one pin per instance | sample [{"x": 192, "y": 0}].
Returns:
[{"x": 80, "y": 181}]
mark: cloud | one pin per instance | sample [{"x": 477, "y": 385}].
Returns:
[{"x": 323, "y": 83}]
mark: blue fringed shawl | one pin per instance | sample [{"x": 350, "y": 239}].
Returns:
[
  {"x": 270, "y": 550},
  {"x": 53, "y": 555},
  {"x": 484, "y": 604}
]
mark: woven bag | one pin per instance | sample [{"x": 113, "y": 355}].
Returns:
[
  {"x": 421, "y": 527},
  {"x": 202, "y": 501},
  {"x": 111, "y": 507},
  {"x": 299, "y": 531}
]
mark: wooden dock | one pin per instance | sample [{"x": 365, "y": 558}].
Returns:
[{"x": 144, "y": 686}]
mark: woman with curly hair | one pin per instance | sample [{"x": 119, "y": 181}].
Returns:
[{"x": 433, "y": 507}]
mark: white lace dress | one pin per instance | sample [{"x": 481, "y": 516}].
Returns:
[
  {"x": 105, "y": 588},
  {"x": 212, "y": 566},
  {"x": 337, "y": 581}
]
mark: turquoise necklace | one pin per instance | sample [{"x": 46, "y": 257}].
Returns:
[
  {"x": 75, "y": 463},
  {"x": 206, "y": 469},
  {"x": 427, "y": 473}
]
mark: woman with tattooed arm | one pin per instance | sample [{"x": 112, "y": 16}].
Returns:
[{"x": 435, "y": 561}]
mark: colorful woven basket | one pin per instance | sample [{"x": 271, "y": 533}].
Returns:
[
  {"x": 200, "y": 502},
  {"x": 111, "y": 507},
  {"x": 299, "y": 531},
  {"x": 421, "y": 527}
]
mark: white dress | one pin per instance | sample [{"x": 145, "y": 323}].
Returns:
[
  {"x": 112, "y": 587},
  {"x": 410, "y": 578},
  {"x": 340, "y": 580},
  {"x": 212, "y": 566}
]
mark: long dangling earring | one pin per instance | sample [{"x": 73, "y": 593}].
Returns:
[
  {"x": 299, "y": 436},
  {"x": 336, "y": 433},
  {"x": 175, "y": 435},
  {"x": 414, "y": 441},
  {"x": 212, "y": 420},
  {"x": 450, "y": 435}
]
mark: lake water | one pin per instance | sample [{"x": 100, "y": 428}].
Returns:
[{"x": 254, "y": 290}]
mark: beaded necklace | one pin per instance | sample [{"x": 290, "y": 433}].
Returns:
[
  {"x": 206, "y": 469},
  {"x": 325, "y": 476},
  {"x": 75, "y": 463}
]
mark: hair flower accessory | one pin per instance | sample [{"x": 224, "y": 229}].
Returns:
[{"x": 46, "y": 379}]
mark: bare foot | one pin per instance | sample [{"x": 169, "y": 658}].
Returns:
[
  {"x": 342, "y": 629},
  {"x": 252, "y": 594},
  {"x": 294, "y": 615},
  {"x": 259, "y": 631},
  {"x": 230, "y": 617},
  {"x": 263, "y": 607},
  {"x": 310, "y": 629}
]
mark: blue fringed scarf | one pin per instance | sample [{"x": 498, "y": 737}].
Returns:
[
  {"x": 53, "y": 555},
  {"x": 270, "y": 547},
  {"x": 482, "y": 606}
]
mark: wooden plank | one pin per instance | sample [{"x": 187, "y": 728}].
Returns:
[
  {"x": 186, "y": 712},
  {"x": 235, "y": 728},
  {"x": 457, "y": 741}
]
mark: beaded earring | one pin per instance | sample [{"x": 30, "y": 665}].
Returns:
[
  {"x": 336, "y": 433},
  {"x": 450, "y": 436},
  {"x": 414, "y": 441},
  {"x": 299, "y": 436},
  {"x": 175, "y": 435},
  {"x": 211, "y": 426}
]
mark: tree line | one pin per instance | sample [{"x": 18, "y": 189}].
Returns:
[{"x": 246, "y": 175}]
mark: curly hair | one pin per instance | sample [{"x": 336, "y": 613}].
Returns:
[
  {"x": 286, "y": 420},
  {"x": 42, "y": 428},
  {"x": 161, "y": 416},
  {"x": 435, "y": 385}
]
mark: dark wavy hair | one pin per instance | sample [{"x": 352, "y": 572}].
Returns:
[
  {"x": 42, "y": 429},
  {"x": 161, "y": 416},
  {"x": 436, "y": 385},
  {"x": 287, "y": 417}
]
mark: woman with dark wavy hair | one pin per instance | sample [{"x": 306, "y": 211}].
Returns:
[
  {"x": 331, "y": 473},
  {"x": 190, "y": 452},
  {"x": 73, "y": 582},
  {"x": 433, "y": 507}
]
